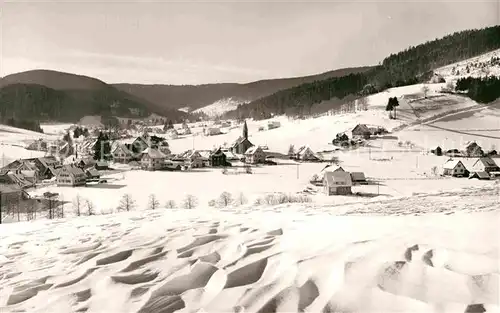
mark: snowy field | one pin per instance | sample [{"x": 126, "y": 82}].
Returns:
[{"x": 211, "y": 261}]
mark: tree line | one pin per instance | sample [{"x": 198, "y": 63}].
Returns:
[{"x": 482, "y": 89}]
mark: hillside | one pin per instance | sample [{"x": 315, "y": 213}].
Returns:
[
  {"x": 199, "y": 96},
  {"x": 65, "y": 97},
  {"x": 410, "y": 66}
]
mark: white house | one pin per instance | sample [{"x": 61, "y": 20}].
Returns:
[
  {"x": 211, "y": 131},
  {"x": 152, "y": 159},
  {"x": 485, "y": 164},
  {"x": 337, "y": 183},
  {"x": 255, "y": 155},
  {"x": 455, "y": 168},
  {"x": 70, "y": 175}
]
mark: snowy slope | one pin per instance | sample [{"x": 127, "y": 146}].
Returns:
[
  {"x": 220, "y": 107},
  {"x": 487, "y": 64}
]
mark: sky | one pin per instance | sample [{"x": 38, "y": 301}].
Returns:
[{"x": 200, "y": 42}]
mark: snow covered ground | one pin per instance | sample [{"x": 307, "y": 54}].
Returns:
[
  {"x": 220, "y": 107},
  {"x": 253, "y": 261}
]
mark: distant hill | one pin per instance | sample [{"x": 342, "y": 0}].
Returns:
[
  {"x": 65, "y": 97},
  {"x": 413, "y": 65},
  {"x": 199, "y": 96}
]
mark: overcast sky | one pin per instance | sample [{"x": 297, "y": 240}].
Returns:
[{"x": 207, "y": 42}]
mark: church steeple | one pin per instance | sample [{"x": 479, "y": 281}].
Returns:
[{"x": 245, "y": 130}]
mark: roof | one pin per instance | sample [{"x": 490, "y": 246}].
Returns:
[
  {"x": 73, "y": 170},
  {"x": 93, "y": 172},
  {"x": 361, "y": 128},
  {"x": 338, "y": 178},
  {"x": 241, "y": 140},
  {"x": 332, "y": 168},
  {"x": 153, "y": 153},
  {"x": 358, "y": 176},
  {"x": 122, "y": 147},
  {"x": 451, "y": 164},
  {"x": 253, "y": 150},
  {"x": 486, "y": 161},
  {"x": 480, "y": 174},
  {"x": 9, "y": 188}
]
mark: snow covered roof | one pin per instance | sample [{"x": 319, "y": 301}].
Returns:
[
  {"x": 153, "y": 153},
  {"x": 253, "y": 150},
  {"x": 73, "y": 170},
  {"x": 338, "y": 178},
  {"x": 332, "y": 168},
  {"x": 487, "y": 162},
  {"x": 451, "y": 164}
]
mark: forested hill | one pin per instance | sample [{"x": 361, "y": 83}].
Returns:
[
  {"x": 65, "y": 97},
  {"x": 410, "y": 66},
  {"x": 199, "y": 96}
]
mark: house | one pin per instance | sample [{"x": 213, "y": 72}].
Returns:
[
  {"x": 164, "y": 148},
  {"x": 92, "y": 174},
  {"x": 358, "y": 177},
  {"x": 12, "y": 194},
  {"x": 361, "y": 131},
  {"x": 211, "y": 131},
  {"x": 273, "y": 125},
  {"x": 14, "y": 177},
  {"x": 191, "y": 158},
  {"x": 218, "y": 158},
  {"x": 70, "y": 175},
  {"x": 377, "y": 130},
  {"x": 255, "y": 155},
  {"x": 305, "y": 153},
  {"x": 101, "y": 165},
  {"x": 86, "y": 163},
  {"x": 152, "y": 159},
  {"x": 485, "y": 164},
  {"x": 241, "y": 145},
  {"x": 122, "y": 154},
  {"x": 480, "y": 175},
  {"x": 47, "y": 167},
  {"x": 337, "y": 183},
  {"x": 141, "y": 143},
  {"x": 472, "y": 149},
  {"x": 38, "y": 145},
  {"x": 455, "y": 168}
]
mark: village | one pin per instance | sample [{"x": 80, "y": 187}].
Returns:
[{"x": 84, "y": 158}]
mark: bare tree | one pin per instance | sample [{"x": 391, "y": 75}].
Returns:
[
  {"x": 90, "y": 207},
  {"x": 363, "y": 104},
  {"x": 225, "y": 199},
  {"x": 190, "y": 202},
  {"x": 170, "y": 204},
  {"x": 77, "y": 204},
  {"x": 153, "y": 202},
  {"x": 30, "y": 211},
  {"x": 241, "y": 199},
  {"x": 51, "y": 199},
  {"x": 126, "y": 203},
  {"x": 434, "y": 170},
  {"x": 425, "y": 91}
]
